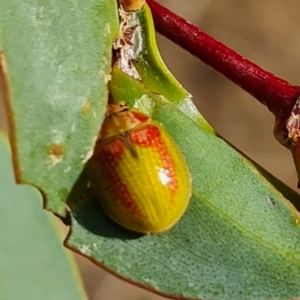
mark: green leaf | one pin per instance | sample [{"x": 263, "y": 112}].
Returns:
[
  {"x": 34, "y": 264},
  {"x": 239, "y": 239},
  {"x": 152, "y": 70},
  {"x": 57, "y": 60}
]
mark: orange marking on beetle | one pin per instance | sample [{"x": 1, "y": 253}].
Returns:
[
  {"x": 150, "y": 136},
  {"x": 109, "y": 156},
  {"x": 140, "y": 117},
  {"x": 112, "y": 151}
]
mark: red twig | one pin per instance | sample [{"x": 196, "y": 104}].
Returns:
[{"x": 277, "y": 94}]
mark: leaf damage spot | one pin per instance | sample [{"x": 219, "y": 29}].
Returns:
[
  {"x": 86, "y": 107},
  {"x": 55, "y": 154}
]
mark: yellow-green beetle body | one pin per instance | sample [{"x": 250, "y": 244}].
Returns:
[{"x": 140, "y": 176}]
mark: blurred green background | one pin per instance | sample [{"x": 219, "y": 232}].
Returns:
[{"x": 265, "y": 32}]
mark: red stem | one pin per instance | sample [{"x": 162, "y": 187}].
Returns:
[{"x": 277, "y": 94}]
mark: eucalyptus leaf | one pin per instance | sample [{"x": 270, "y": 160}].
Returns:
[
  {"x": 56, "y": 60},
  {"x": 34, "y": 264},
  {"x": 154, "y": 73},
  {"x": 239, "y": 239}
]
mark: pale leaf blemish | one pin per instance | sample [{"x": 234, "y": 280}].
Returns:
[
  {"x": 107, "y": 27},
  {"x": 151, "y": 282},
  {"x": 95, "y": 246},
  {"x": 189, "y": 108},
  {"x": 53, "y": 161},
  {"x": 3, "y": 63},
  {"x": 67, "y": 170},
  {"x": 73, "y": 127},
  {"x": 38, "y": 16},
  {"x": 57, "y": 136},
  {"x": 84, "y": 249},
  {"x": 86, "y": 107},
  {"x": 94, "y": 115},
  {"x": 107, "y": 78},
  {"x": 144, "y": 104},
  {"x": 85, "y": 157},
  {"x": 270, "y": 201}
]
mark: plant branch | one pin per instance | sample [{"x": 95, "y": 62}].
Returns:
[{"x": 277, "y": 94}]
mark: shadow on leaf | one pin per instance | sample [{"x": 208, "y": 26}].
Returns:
[{"x": 89, "y": 214}]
